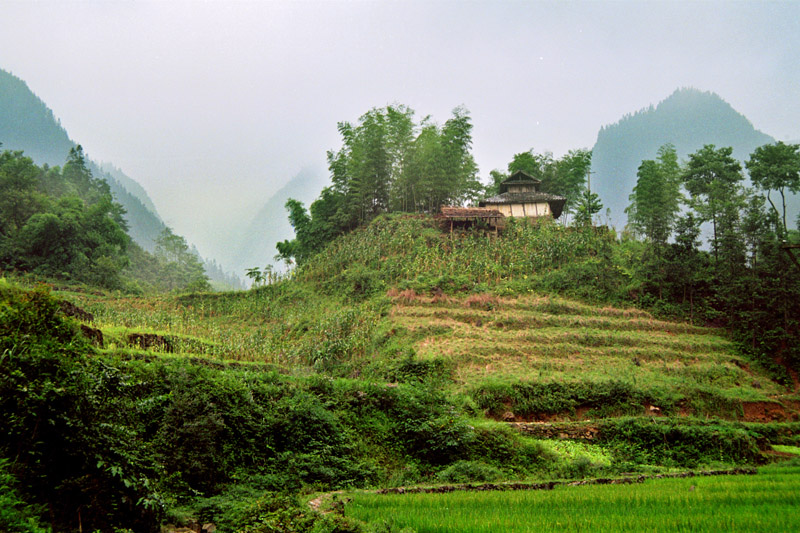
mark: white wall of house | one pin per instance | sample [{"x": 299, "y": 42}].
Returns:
[{"x": 524, "y": 210}]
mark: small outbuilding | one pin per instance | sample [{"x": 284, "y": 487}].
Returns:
[
  {"x": 519, "y": 197},
  {"x": 470, "y": 217}
]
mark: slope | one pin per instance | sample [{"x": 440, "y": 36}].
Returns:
[
  {"x": 401, "y": 354},
  {"x": 400, "y": 300},
  {"x": 688, "y": 118}
]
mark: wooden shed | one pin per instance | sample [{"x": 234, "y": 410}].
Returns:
[
  {"x": 469, "y": 217},
  {"x": 519, "y": 197}
]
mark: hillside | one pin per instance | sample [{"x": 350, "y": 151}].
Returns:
[
  {"x": 399, "y": 355},
  {"x": 27, "y": 124},
  {"x": 688, "y": 118}
]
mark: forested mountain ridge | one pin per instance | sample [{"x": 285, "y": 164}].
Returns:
[
  {"x": 688, "y": 119},
  {"x": 27, "y": 124}
]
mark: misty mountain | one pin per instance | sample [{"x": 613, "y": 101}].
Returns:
[
  {"x": 689, "y": 119},
  {"x": 27, "y": 124},
  {"x": 271, "y": 224}
]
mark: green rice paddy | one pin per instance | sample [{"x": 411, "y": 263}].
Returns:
[{"x": 768, "y": 501}]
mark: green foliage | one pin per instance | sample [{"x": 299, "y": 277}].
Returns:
[
  {"x": 410, "y": 253},
  {"x": 764, "y": 502},
  {"x": 687, "y": 445},
  {"x": 63, "y": 224},
  {"x": 70, "y": 446},
  {"x": 15, "y": 515},
  {"x": 181, "y": 267},
  {"x": 587, "y": 206},
  {"x": 655, "y": 198},
  {"x": 776, "y": 167},
  {"x": 386, "y": 164},
  {"x": 468, "y": 472}
]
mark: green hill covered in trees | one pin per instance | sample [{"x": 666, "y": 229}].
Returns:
[{"x": 28, "y": 125}]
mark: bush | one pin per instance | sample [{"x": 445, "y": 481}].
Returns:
[
  {"x": 469, "y": 471},
  {"x": 681, "y": 444}
]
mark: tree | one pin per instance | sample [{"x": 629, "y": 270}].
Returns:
[
  {"x": 569, "y": 178},
  {"x": 184, "y": 269},
  {"x": 776, "y": 167},
  {"x": 19, "y": 195},
  {"x": 712, "y": 178},
  {"x": 386, "y": 163},
  {"x": 688, "y": 266},
  {"x": 655, "y": 198},
  {"x": 365, "y": 169},
  {"x": 588, "y": 206}
]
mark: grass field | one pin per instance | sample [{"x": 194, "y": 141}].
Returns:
[{"x": 767, "y": 501}]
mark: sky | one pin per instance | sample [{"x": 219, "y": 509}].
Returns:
[{"x": 213, "y": 106}]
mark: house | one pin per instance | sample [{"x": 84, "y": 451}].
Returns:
[{"x": 519, "y": 197}]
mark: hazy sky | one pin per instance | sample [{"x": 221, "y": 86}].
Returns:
[{"x": 212, "y": 106}]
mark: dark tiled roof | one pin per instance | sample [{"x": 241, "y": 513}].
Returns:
[
  {"x": 556, "y": 202},
  {"x": 520, "y": 176}
]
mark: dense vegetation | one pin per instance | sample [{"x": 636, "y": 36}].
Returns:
[
  {"x": 62, "y": 224},
  {"x": 361, "y": 379}
]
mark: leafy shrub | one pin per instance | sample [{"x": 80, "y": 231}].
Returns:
[
  {"x": 681, "y": 444},
  {"x": 69, "y": 441},
  {"x": 15, "y": 515},
  {"x": 469, "y": 471}
]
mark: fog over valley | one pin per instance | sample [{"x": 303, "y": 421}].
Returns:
[{"x": 213, "y": 107}]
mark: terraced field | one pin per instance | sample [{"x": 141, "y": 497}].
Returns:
[{"x": 486, "y": 339}]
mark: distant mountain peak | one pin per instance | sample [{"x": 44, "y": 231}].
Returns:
[{"x": 689, "y": 118}]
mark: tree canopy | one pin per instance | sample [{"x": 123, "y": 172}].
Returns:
[
  {"x": 387, "y": 163},
  {"x": 63, "y": 223},
  {"x": 776, "y": 167}
]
